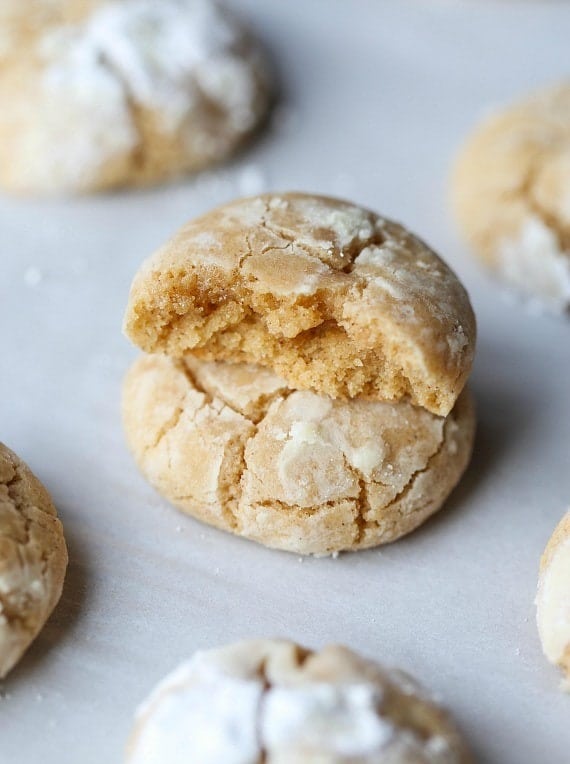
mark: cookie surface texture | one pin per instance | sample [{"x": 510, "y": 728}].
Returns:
[
  {"x": 33, "y": 558},
  {"x": 272, "y": 701},
  {"x": 553, "y": 597},
  {"x": 511, "y": 193},
  {"x": 95, "y": 95},
  {"x": 232, "y": 445},
  {"x": 328, "y": 295}
]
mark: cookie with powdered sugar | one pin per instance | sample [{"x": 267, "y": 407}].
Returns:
[
  {"x": 33, "y": 558},
  {"x": 330, "y": 296},
  {"x": 96, "y": 94},
  {"x": 235, "y": 447},
  {"x": 511, "y": 192},
  {"x": 553, "y": 598},
  {"x": 272, "y": 701}
]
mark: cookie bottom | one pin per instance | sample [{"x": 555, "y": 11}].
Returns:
[{"x": 233, "y": 446}]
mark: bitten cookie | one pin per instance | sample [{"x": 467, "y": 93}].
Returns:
[
  {"x": 233, "y": 446},
  {"x": 328, "y": 295},
  {"x": 511, "y": 194},
  {"x": 102, "y": 93},
  {"x": 33, "y": 558},
  {"x": 273, "y": 701},
  {"x": 553, "y": 597}
]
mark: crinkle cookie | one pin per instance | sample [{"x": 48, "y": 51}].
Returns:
[
  {"x": 553, "y": 597},
  {"x": 33, "y": 558},
  {"x": 330, "y": 296},
  {"x": 511, "y": 194},
  {"x": 275, "y": 702},
  {"x": 234, "y": 446},
  {"x": 102, "y": 93}
]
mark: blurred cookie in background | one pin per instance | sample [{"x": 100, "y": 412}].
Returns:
[
  {"x": 511, "y": 194},
  {"x": 100, "y": 94}
]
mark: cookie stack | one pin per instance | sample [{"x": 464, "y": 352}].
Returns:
[{"x": 304, "y": 378}]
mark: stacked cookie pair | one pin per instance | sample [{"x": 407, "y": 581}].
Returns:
[{"x": 304, "y": 378}]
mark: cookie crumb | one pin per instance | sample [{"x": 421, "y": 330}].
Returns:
[
  {"x": 252, "y": 180},
  {"x": 33, "y": 277}
]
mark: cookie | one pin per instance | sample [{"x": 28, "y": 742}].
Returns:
[
  {"x": 553, "y": 597},
  {"x": 330, "y": 296},
  {"x": 234, "y": 446},
  {"x": 275, "y": 702},
  {"x": 33, "y": 558},
  {"x": 511, "y": 193},
  {"x": 96, "y": 94}
]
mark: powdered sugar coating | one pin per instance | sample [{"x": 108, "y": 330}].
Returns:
[
  {"x": 534, "y": 257},
  {"x": 176, "y": 76},
  {"x": 271, "y": 701}
]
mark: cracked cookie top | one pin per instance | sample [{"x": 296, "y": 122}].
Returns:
[
  {"x": 275, "y": 702},
  {"x": 330, "y": 296},
  {"x": 511, "y": 193},
  {"x": 234, "y": 446},
  {"x": 108, "y": 92},
  {"x": 33, "y": 558}
]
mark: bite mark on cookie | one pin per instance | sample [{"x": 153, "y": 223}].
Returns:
[{"x": 328, "y": 295}]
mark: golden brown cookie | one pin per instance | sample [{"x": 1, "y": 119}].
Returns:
[
  {"x": 511, "y": 193},
  {"x": 33, "y": 558},
  {"x": 330, "y": 296},
  {"x": 102, "y": 93},
  {"x": 233, "y": 446},
  {"x": 553, "y": 597},
  {"x": 272, "y": 701}
]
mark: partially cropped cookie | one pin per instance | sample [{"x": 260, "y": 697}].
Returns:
[
  {"x": 511, "y": 194},
  {"x": 33, "y": 558},
  {"x": 272, "y": 701},
  {"x": 553, "y": 597},
  {"x": 232, "y": 445},
  {"x": 102, "y": 93},
  {"x": 330, "y": 296}
]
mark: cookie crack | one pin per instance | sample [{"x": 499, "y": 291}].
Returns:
[
  {"x": 166, "y": 428},
  {"x": 414, "y": 477},
  {"x": 301, "y": 656},
  {"x": 137, "y": 152}
]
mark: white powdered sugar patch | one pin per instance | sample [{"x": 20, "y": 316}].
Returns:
[
  {"x": 534, "y": 263},
  {"x": 200, "y": 714},
  {"x": 341, "y": 720},
  {"x": 85, "y": 117}
]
